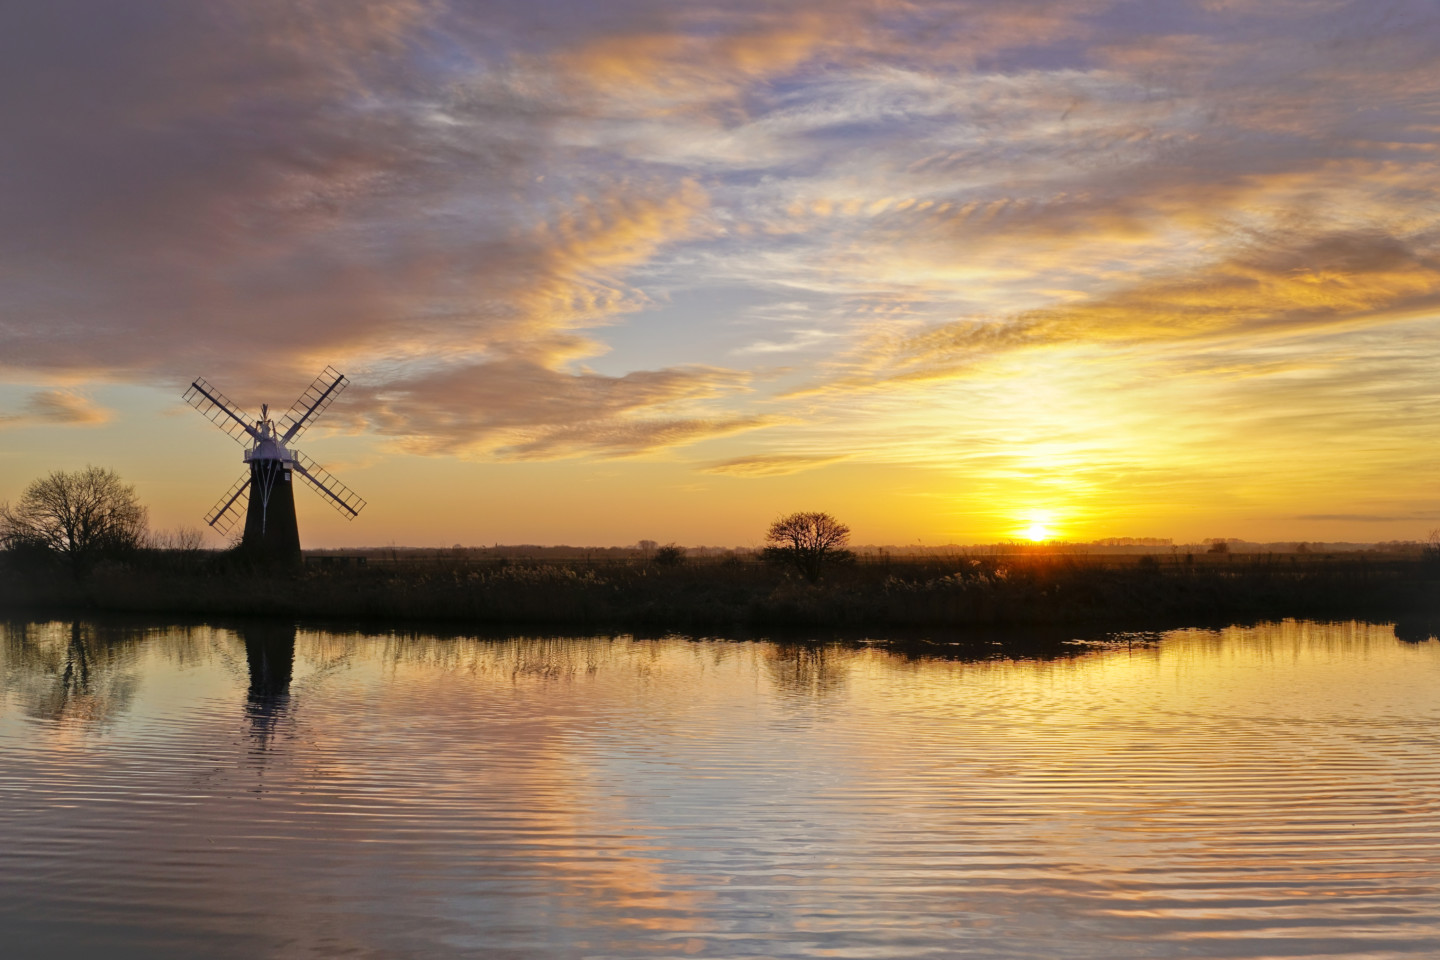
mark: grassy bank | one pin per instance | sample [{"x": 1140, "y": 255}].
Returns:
[{"x": 954, "y": 592}]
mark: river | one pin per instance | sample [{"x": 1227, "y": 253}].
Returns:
[{"x": 258, "y": 791}]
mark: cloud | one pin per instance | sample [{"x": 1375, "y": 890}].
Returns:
[
  {"x": 190, "y": 182},
  {"x": 1278, "y": 286},
  {"x": 770, "y": 465},
  {"x": 626, "y": 438},
  {"x": 798, "y": 340},
  {"x": 519, "y": 409},
  {"x": 1371, "y": 517},
  {"x": 57, "y": 408}
]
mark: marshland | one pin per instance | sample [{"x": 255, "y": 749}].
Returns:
[{"x": 948, "y": 591}]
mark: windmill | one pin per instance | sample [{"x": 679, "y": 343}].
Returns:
[{"x": 270, "y": 528}]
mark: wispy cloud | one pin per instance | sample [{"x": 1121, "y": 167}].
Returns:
[
  {"x": 795, "y": 340},
  {"x": 770, "y": 465},
  {"x": 57, "y": 408},
  {"x": 522, "y": 409},
  {"x": 1272, "y": 288}
]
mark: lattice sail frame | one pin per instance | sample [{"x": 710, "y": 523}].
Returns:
[
  {"x": 226, "y": 511},
  {"x": 314, "y": 401},
  {"x": 346, "y": 502},
  {"x": 218, "y": 409}
]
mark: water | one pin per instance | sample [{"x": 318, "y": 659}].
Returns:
[{"x": 263, "y": 792}]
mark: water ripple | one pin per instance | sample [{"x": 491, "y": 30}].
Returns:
[{"x": 1249, "y": 793}]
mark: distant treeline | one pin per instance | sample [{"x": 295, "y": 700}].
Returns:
[{"x": 939, "y": 593}]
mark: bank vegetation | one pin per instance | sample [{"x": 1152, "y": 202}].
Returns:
[{"x": 722, "y": 593}]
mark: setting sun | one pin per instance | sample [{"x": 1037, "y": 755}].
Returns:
[
  {"x": 1038, "y": 527},
  {"x": 1037, "y": 532}
]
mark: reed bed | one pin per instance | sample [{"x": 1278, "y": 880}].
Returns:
[{"x": 900, "y": 593}]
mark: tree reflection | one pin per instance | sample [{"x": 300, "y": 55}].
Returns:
[
  {"x": 1416, "y": 631},
  {"x": 72, "y": 672},
  {"x": 808, "y": 670}
]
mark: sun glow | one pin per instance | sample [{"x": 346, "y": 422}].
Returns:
[{"x": 1039, "y": 527}]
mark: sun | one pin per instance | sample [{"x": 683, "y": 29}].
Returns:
[
  {"x": 1038, "y": 526},
  {"x": 1038, "y": 533}
]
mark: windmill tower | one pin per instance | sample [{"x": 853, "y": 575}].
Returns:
[{"x": 270, "y": 528}]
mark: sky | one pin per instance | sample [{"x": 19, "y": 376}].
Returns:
[{"x": 954, "y": 271}]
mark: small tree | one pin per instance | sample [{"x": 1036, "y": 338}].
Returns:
[
  {"x": 808, "y": 541},
  {"x": 670, "y": 555},
  {"x": 79, "y": 517},
  {"x": 1430, "y": 549}
]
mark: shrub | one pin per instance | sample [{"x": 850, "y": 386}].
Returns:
[{"x": 670, "y": 555}]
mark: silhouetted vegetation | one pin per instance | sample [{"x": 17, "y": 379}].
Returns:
[
  {"x": 737, "y": 591},
  {"x": 1430, "y": 552},
  {"x": 670, "y": 555},
  {"x": 80, "y": 517},
  {"x": 808, "y": 542}
]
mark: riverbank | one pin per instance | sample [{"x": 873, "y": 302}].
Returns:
[{"x": 954, "y": 592}]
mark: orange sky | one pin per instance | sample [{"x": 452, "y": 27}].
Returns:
[{"x": 953, "y": 271}]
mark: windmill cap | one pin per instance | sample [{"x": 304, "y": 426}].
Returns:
[{"x": 269, "y": 448}]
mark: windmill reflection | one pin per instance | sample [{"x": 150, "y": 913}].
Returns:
[{"x": 270, "y": 652}]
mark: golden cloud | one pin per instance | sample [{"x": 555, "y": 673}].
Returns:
[
  {"x": 57, "y": 408},
  {"x": 522, "y": 409},
  {"x": 1335, "y": 279},
  {"x": 770, "y": 465}
]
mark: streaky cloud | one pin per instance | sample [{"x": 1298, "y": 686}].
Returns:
[
  {"x": 770, "y": 465},
  {"x": 57, "y": 408}
]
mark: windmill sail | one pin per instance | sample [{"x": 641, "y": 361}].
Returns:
[
  {"x": 218, "y": 409},
  {"x": 342, "y": 498},
  {"x": 312, "y": 403},
  {"x": 227, "y": 510}
]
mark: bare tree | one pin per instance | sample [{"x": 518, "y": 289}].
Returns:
[
  {"x": 808, "y": 541},
  {"x": 79, "y": 516},
  {"x": 1430, "y": 549}
]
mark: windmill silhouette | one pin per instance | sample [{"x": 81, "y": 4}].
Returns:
[{"x": 270, "y": 528}]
